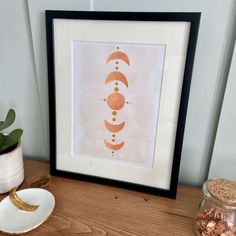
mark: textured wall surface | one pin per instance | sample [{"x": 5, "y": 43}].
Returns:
[
  {"x": 223, "y": 162},
  {"x": 19, "y": 87}
]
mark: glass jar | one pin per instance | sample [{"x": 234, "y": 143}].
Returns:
[{"x": 217, "y": 211}]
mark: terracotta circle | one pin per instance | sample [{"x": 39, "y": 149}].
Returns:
[{"x": 116, "y": 101}]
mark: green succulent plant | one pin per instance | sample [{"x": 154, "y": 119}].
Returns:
[{"x": 9, "y": 140}]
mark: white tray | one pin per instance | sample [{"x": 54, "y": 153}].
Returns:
[{"x": 15, "y": 221}]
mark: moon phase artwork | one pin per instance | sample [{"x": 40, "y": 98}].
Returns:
[{"x": 115, "y": 100}]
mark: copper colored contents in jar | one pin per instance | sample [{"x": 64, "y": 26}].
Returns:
[
  {"x": 213, "y": 223},
  {"x": 217, "y": 214}
]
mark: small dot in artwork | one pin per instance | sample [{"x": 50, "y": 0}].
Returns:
[{"x": 116, "y": 89}]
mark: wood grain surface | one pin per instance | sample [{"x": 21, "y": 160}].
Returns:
[{"x": 86, "y": 209}]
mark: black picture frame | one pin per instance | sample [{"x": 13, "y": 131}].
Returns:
[{"x": 193, "y": 18}]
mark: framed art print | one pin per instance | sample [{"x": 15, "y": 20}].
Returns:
[{"x": 118, "y": 94}]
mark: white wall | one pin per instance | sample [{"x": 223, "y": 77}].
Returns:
[
  {"x": 18, "y": 84},
  {"x": 223, "y": 163},
  {"x": 23, "y": 69}
]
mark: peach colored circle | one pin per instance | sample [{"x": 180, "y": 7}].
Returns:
[{"x": 116, "y": 101}]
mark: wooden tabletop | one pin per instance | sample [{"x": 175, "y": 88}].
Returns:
[{"x": 85, "y": 209}]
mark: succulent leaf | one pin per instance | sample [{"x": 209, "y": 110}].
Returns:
[
  {"x": 11, "y": 139},
  {"x": 10, "y": 118},
  {"x": 2, "y": 139}
]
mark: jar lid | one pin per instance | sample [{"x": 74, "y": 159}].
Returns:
[{"x": 223, "y": 190}]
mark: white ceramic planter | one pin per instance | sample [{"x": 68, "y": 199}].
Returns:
[{"x": 11, "y": 169}]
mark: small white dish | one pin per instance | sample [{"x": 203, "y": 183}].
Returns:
[{"x": 15, "y": 221}]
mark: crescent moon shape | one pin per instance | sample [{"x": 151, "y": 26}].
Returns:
[
  {"x": 118, "y": 55},
  {"x": 114, "y": 128},
  {"x": 114, "y": 147},
  {"x": 116, "y": 75}
]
